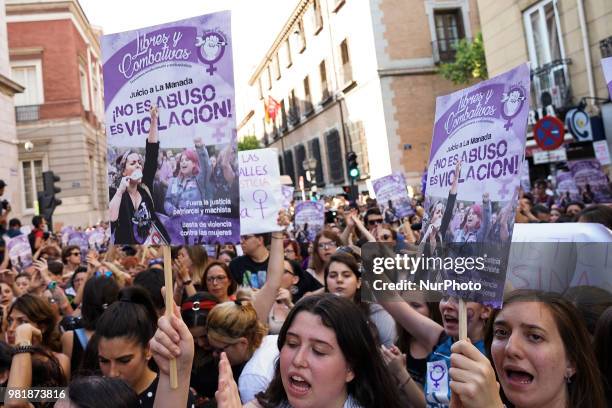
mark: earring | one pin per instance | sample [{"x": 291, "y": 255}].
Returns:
[
  {"x": 568, "y": 378},
  {"x": 294, "y": 290}
]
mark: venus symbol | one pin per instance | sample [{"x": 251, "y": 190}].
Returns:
[{"x": 260, "y": 197}]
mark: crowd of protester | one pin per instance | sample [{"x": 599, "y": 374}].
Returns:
[{"x": 279, "y": 321}]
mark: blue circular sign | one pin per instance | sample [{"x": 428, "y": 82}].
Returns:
[{"x": 548, "y": 133}]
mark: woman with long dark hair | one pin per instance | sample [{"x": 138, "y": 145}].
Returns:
[
  {"x": 541, "y": 354},
  {"x": 322, "y": 348},
  {"x": 131, "y": 209},
  {"x": 123, "y": 333}
]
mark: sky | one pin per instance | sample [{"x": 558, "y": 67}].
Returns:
[{"x": 255, "y": 24}]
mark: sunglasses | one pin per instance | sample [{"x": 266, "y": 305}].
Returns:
[
  {"x": 75, "y": 254},
  {"x": 107, "y": 274},
  {"x": 376, "y": 221}
]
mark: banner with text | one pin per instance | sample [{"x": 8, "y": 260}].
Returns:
[
  {"x": 588, "y": 175},
  {"x": 260, "y": 191},
  {"x": 173, "y": 178},
  {"x": 479, "y": 131}
]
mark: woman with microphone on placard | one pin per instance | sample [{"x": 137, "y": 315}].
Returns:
[{"x": 131, "y": 208}]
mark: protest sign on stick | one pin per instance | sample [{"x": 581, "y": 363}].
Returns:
[
  {"x": 287, "y": 192},
  {"x": 174, "y": 172},
  {"x": 260, "y": 191},
  {"x": 477, "y": 148},
  {"x": 309, "y": 220},
  {"x": 589, "y": 176},
  {"x": 169, "y": 300},
  {"x": 392, "y": 197}
]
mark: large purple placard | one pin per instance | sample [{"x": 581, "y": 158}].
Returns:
[
  {"x": 179, "y": 184},
  {"x": 481, "y": 130}
]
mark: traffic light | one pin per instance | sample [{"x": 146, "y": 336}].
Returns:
[
  {"x": 352, "y": 166},
  {"x": 47, "y": 201}
]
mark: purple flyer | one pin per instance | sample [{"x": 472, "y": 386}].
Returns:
[
  {"x": 309, "y": 220},
  {"x": 589, "y": 176},
  {"x": 19, "y": 251},
  {"x": 392, "y": 197},
  {"x": 173, "y": 176},
  {"x": 481, "y": 132}
]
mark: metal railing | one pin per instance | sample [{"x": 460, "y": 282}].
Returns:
[
  {"x": 551, "y": 84},
  {"x": 27, "y": 113}
]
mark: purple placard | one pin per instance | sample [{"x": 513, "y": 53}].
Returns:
[
  {"x": 484, "y": 128},
  {"x": 187, "y": 188},
  {"x": 309, "y": 220},
  {"x": 287, "y": 192},
  {"x": 588, "y": 174},
  {"x": 20, "y": 252},
  {"x": 606, "y": 65},
  {"x": 392, "y": 197},
  {"x": 566, "y": 184}
]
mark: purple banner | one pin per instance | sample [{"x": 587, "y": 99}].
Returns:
[
  {"x": 392, "y": 197},
  {"x": 606, "y": 65},
  {"x": 182, "y": 184},
  {"x": 309, "y": 220},
  {"x": 482, "y": 131},
  {"x": 19, "y": 251},
  {"x": 588, "y": 175}
]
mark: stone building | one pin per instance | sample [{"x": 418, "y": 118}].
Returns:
[
  {"x": 360, "y": 76},
  {"x": 55, "y": 54}
]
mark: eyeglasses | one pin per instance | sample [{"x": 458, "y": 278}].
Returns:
[
  {"x": 326, "y": 245},
  {"x": 289, "y": 251},
  {"x": 245, "y": 237},
  {"x": 375, "y": 221},
  {"x": 213, "y": 279}
]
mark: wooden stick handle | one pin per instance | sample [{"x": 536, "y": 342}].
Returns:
[
  {"x": 170, "y": 308},
  {"x": 462, "y": 320}
]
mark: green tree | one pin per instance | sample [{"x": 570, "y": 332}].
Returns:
[
  {"x": 249, "y": 143},
  {"x": 470, "y": 62}
]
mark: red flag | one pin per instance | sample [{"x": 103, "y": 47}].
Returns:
[{"x": 273, "y": 107}]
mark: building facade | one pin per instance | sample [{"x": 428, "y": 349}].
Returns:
[
  {"x": 564, "y": 42},
  {"x": 55, "y": 54},
  {"x": 8, "y": 134},
  {"x": 356, "y": 76}
]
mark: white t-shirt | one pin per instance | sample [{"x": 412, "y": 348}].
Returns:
[{"x": 259, "y": 370}]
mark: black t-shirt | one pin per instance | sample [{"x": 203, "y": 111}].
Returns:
[
  {"x": 147, "y": 397},
  {"x": 247, "y": 272}
]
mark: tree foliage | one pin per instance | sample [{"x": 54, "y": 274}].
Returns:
[
  {"x": 469, "y": 64},
  {"x": 249, "y": 143}
]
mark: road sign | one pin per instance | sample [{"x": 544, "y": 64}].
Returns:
[{"x": 548, "y": 133}]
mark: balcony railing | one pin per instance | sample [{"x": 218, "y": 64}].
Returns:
[
  {"x": 444, "y": 50},
  {"x": 27, "y": 113},
  {"x": 605, "y": 46},
  {"x": 550, "y": 84}
]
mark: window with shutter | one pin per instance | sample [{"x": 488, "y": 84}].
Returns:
[
  {"x": 334, "y": 155},
  {"x": 315, "y": 150},
  {"x": 289, "y": 169},
  {"x": 300, "y": 156}
]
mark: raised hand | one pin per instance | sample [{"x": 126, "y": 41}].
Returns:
[
  {"x": 153, "y": 131},
  {"x": 197, "y": 141},
  {"x": 227, "y": 394},
  {"x": 473, "y": 378}
]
